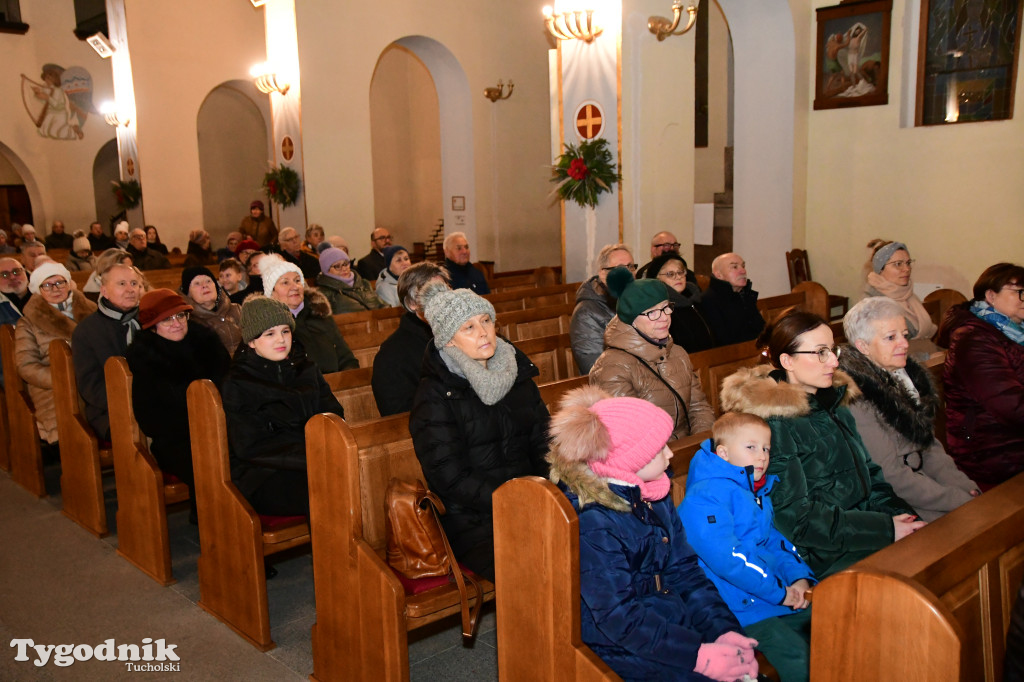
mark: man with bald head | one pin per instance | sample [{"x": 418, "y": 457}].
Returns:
[
  {"x": 662, "y": 243},
  {"x": 14, "y": 283},
  {"x": 370, "y": 265},
  {"x": 58, "y": 238},
  {"x": 730, "y": 303},
  {"x": 143, "y": 257},
  {"x": 290, "y": 242}
]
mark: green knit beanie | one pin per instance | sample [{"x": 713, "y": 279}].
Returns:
[
  {"x": 260, "y": 313},
  {"x": 635, "y": 296}
]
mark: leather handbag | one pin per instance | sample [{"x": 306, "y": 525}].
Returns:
[{"x": 418, "y": 548}]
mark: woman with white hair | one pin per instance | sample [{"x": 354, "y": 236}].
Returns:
[
  {"x": 896, "y": 413},
  {"x": 595, "y": 307},
  {"x": 52, "y": 312}
]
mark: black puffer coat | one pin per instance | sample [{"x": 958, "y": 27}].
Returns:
[
  {"x": 398, "y": 364},
  {"x": 468, "y": 449},
  {"x": 267, "y": 405},
  {"x": 318, "y": 335},
  {"x": 733, "y": 316}
]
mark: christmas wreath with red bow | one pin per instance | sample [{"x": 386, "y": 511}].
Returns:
[
  {"x": 282, "y": 185},
  {"x": 127, "y": 193},
  {"x": 583, "y": 172}
]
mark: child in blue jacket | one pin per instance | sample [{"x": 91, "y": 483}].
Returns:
[
  {"x": 647, "y": 608},
  {"x": 727, "y": 513}
]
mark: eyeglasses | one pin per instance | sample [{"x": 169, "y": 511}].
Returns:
[
  {"x": 385, "y": 238},
  {"x": 176, "y": 317},
  {"x": 674, "y": 245},
  {"x": 58, "y": 285},
  {"x": 900, "y": 264},
  {"x": 631, "y": 267},
  {"x": 1019, "y": 292},
  {"x": 13, "y": 272},
  {"x": 655, "y": 315},
  {"x": 822, "y": 353},
  {"x": 673, "y": 274}
]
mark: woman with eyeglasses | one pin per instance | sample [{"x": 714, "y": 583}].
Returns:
[
  {"x": 984, "y": 377},
  {"x": 52, "y": 311},
  {"x": 641, "y": 360},
  {"x": 689, "y": 329},
  {"x": 345, "y": 289},
  {"x": 888, "y": 274},
  {"x": 168, "y": 354},
  {"x": 831, "y": 499}
]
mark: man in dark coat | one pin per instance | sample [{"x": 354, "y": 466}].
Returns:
[
  {"x": 98, "y": 240},
  {"x": 102, "y": 335},
  {"x": 370, "y": 265},
  {"x": 58, "y": 239},
  {"x": 456, "y": 259},
  {"x": 291, "y": 250},
  {"x": 14, "y": 283},
  {"x": 143, "y": 257},
  {"x": 730, "y": 303}
]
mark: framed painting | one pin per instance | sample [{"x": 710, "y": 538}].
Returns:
[{"x": 852, "y": 68}]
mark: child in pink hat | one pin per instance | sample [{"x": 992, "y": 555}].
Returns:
[{"x": 647, "y": 610}]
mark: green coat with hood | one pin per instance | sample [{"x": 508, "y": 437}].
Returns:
[{"x": 831, "y": 499}]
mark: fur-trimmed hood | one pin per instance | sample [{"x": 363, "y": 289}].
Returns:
[
  {"x": 911, "y": 419},
  {"x": 757, "y": 391},
  {"x": 48, "y": 320}
]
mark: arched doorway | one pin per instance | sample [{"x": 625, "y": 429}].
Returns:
[
  {"x": 18, "y": 191},
  {"x": 234, "y": 137},
  {"x": 105, "y": 170}
]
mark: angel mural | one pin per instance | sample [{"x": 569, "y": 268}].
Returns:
[{"x": 60, "y": 104}]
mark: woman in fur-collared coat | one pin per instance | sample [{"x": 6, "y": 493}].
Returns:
[
  {"x": 52, "y": 312},
  {"x": 896, "y": 413}
]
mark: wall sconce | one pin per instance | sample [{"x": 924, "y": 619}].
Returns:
[
  {"x": 494, "y": 94},
  {"x": 258, "y": 3},
  {"x": 663, "y": 28},
  {"x": 267, "y": 81},
  {"x": 572, "y": 25},
  {"x": 101, "y": 44},
  {"x": 112, "y": 116}
]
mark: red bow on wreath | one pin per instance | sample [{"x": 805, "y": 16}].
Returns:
[{"x": 578, "y": 169}]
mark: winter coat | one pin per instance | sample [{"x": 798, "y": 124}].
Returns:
[
  {"x": 689, "y": 329},
  {"x": 467, "y": 449},
  {"x": 59, "y": 241},
  {"x": 398, "y": 364},
  {"x": 225, "y": 319},
  {"x": 898, "y": 432},
  {"x": 95, "y": 339},
  {"x": 195, "y": 255},
  {"x": 41, "y": 324},
  {"x": 387, "y": 289},
  {"x": 645, "y": 604},
  {"x": 262, "y": 231},
  {"x": 467, "y": 277},
  {"x": 733, "y": 316},
  {"x": 267, "y": 405},
  {"x": 370, "y": 265},
  {"x": 148, "y": 259},
  {"x": 76, "y": 264},
  {"x": 161, "y": 373},
  {"x": 831, "y": 499},
  {"x": 101, "y": 242},
  {"x": 319, "y": 337},
  {"x": 348, "y": 299},
  {"x": 731, "y": 527},
  {"x": 631, "y": 366},
  {"x": 984, "y": 390},
  {"x": 308, "y": 263},
  {"x": 594, "y": 309}
]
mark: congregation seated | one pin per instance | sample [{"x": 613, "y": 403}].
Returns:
[
  {"x": 199, "y": 251},
  {"x": 370, "y": 265},
  {"x": 641, "y": 360},
  {"x": 52, "y": 312},
  {"x": 983, "y": 377},
  {"x": 143, "y": 257},
  {"x": 344, "y": 288},
  {"x": 396, "y": 261},
  {"x": 81, "y": 258},
  {"x": 103, "y": 263},
  {"x": 5, "y": 246},
  {"x": 121, "y": 232},
  {"x": 730, "y": 303},
  {"x": 58, "y": 238},
  {"x": 595, "y": 307},
  {"x": 647, "y": 608},
  {"x": 290, "y": 248},
  {"x": 663, "y": 244},
  {"x": 249, "y": 255},
  {"x": 228, "y": 250},
  {"x": 895, "y": 413},
  {"x": 106, "y": 333},
  {"x": 165, "y": 357},
  {"x": 153, "y": 240},
  {"x": 464, "y": 274},
  {"x": 211, "y": 306},
  {"x": 29, "y": 239},
  {"x": 231, "y": 276},
  {"x": 399, "y": 361},
  {"x": 270, "y": 392},
  {"x": 689, "y": 329},
  {"x": 314, "y": 237},
  {"x": 831, "y": 500},
  {"x": 477, "y": 419},
  {"x": 98, "y": 239},
  {"x": 315, "y": 330},
  {"x": 888, "y": 274}
]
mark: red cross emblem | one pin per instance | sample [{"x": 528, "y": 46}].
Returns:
[
  {"x": 589, "y": 121},
  {"x": 130, "y": 166},
  {"x": 287, "y": 148}
]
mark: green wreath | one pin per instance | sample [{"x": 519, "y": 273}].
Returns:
[
  {"x": 128, "y": 193},
  {"x": 282, "y": 186},
  {"x": 583, "y": 172}
]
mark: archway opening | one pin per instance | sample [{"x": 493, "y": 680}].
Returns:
[
  {"x": 18, "y": 190},
  {"x": 105, "y": 170}
]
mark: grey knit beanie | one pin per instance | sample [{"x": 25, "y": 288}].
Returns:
[
  {"x": 260, "y": 313},
  {"x": 447, "y": 310},
  {"x": 884, "y": 253}
]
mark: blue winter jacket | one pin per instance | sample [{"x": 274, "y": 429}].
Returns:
[
  {"x": 646, "y": 605},
  {"x": 731, "y": 528}
]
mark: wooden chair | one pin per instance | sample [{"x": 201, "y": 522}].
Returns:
[
  {"x": 232, "y": 538},
  {"x": 943, "y": 299},
  {"x": 26, "y": 457},
  {"x": 142, "y": 491},
  {"x": 354, "y": 391},
  {"x": 81, "y": 459},
  {"x": 799, "y": 267},
  {"x": 538, "y": 586},
  {"x": 363, "y": 611}
]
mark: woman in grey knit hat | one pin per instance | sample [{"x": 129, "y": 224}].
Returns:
[{"x": 477, "y": 419}]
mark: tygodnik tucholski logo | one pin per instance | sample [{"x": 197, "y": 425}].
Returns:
[{"x": 152, "y": 656}]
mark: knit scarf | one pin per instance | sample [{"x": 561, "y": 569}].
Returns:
[
  {"x": 651, "y": 491},
  {"x": 1009, "y": 328},
  {"x": 917, "y": 317},
  {"x": 491, "y": 383},
  {"x": 128, "y": 319},
  {"x": 349, "y": 281}
]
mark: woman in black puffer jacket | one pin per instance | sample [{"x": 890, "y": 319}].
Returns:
[{"x": 477, "y": 419}]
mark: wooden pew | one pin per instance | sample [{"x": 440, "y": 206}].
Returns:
[
  {"x": 715, "y": 364},
  {"x": 81, "y": 459},
  {"x": 536, "y": 297},
  {"x": 552, "y": 355},
  {"x": 367, "y": 321},
  {"x": 552, "y": 393},
  {"x": 5, "y": 435},
  {"x": 142, "y": 493},
  {"x": 354, "y": 391},
  {"x": 26, "y": 457},
  {"x": 232, "y": 539},
  {"x": 519, "y": 325},
  {"x": 538, "y": 586},
  {"x": 933, "y": 606},
  {"x": 363, "y": 611}
]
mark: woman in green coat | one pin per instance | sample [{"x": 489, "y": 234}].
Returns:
[
  {"x": 831, "y": 499},
  {"x": 346, "y": 290}
]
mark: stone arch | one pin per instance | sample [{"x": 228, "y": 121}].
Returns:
[
  {"x": 105, "y": 169},
  {"x": 35, "y": 196}
]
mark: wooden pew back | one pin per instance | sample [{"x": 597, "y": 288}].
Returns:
[
  {"x": 553, "y": 357},
  {"x": 26, "y": 457},
  {"x": 353, "y": 390},
  {"x": 715, "y": 364},
  {"x": 368, "y": 321},
  {"x": 519, "y": 325}
]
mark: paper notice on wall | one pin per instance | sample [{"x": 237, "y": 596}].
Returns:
[{"x": 703, "y": 224}]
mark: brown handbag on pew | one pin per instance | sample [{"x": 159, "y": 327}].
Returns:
[{"x": 418, "y": 547}]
